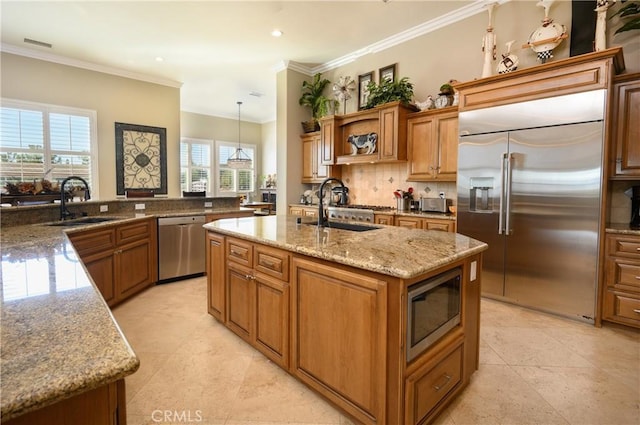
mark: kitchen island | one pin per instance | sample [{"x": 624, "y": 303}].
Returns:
[
  {"x": 63, "y": 356},
  {"x": 330, "y": 306}
]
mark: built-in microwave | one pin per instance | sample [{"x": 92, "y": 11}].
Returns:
[{"x": 433, "y": 309}]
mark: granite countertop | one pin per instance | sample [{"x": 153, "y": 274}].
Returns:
[
  {"x": 58, "y": 336},
  {"x": 393, "y": 211},
  {"x": 622, "y": 229},
  {"x": 389, "y": 250}
]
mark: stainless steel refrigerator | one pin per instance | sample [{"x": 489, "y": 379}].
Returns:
[{"x": 530, "y": 186}]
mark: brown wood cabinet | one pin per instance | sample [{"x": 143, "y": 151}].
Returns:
[
  {"x": 216, "y": 288},
  {"x": 347, "y": 311},
  {"x": 121, "y": 259},
  {"x": 621, "y": 300},
  {"x": 432, "y": 143},
  {"x": 257, "y": 296},
  {"x": 342, "y": 330},
  {"x": 625, "y": 131},
  {"x": 304, "y": 210},
  {"x": 383, "y": 219},
  {"x": 425, "y": 223},
  {"x": 313, "y": 170},
  {"x": 101, "y": 406}
]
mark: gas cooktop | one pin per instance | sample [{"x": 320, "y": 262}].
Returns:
[{"x": 366, "y": 207}]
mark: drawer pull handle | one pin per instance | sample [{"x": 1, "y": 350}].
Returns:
[
  {"x": 438, "y": 387},
  {"x": 636, "y": 310},
  {"x": 249, "y": 277}
]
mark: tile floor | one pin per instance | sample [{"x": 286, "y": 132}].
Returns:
[{"x": 534, "y": 369}]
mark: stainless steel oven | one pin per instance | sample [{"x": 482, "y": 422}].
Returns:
[{"x": 433, "y": 309}]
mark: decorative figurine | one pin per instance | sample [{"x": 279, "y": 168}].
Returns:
[
  {"x": 427, "y": 104},
  {"x": 548, "y": 36},
  {"x": 601, "y": 24},
  {"x": 509, "y": 61},
  {"x": 489, "y": 44}
]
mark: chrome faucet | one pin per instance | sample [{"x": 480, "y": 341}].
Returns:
[
  {"x": 322, "y": 220},
  {"x": 64, "y": 212}
]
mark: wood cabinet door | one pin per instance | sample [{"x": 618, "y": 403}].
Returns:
[
  {"x": 133, "y": 268},
  {"x": 447, "y": 158},
  {"x": 101, "y": 269},
  {"x": 272, "y": 319},
  {"x": 308, "y": 159},
  {"x": 321, "y": 170},
  {"x": 626, "y": 131},
  {"x": 215, "y": 276},
  {"x": 409, "y": 222},
  {"x": 240, "y": 300},
  {"x": 383, "y": 219},
  {"x": 339, "y": 318},
  {"x": 421, "y": 134},
  {"x": 434, "y": 224},
  {"x": 327, "y": 145}
]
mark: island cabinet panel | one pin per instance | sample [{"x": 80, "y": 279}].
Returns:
[
  {"x": 621, "y": 298},
  {"x": 257, "y": 295},
  {"x": 215, "y": 272},
  {"x": 431, "y": 383},
  {"x": 121, "y": 259},
  {"x": 339, "y": 318},
  {"x": 240, "y": 300},
  {"x": 101, "y": 406},
  {"x": 626, "y": 131}
]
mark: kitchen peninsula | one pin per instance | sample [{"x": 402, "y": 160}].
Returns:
[{"x": 331, "y": 307}]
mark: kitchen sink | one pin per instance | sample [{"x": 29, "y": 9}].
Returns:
[
  {"x": 347, "y": 226},
  {"x": 83, "y": 221}
]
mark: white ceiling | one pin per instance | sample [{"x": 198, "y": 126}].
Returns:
[{"x": 218, "y": 52}]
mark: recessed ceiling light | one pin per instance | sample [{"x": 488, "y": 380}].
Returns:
[
  {"x": 159, "y": 59},
  {"x": 276, "y": 33}
]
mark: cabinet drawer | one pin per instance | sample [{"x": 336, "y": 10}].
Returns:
[
  {"x": 272, "y": 262},
  {"x": 428, "y": 386},
  {"x": 239, "y": 251},
  {"x": 132, "y": 232},
  {"x": 627, "y": 275},
  {"x": 622, "y": 308},
  {"x": 93, "y": 241},
  {"x": 445, "y": 226},
  {"x": 625, "y": 246}
]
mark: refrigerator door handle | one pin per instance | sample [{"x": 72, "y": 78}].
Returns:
[
  {"x": 502, "y": 194},
  {"x": 507, "y": 221}
]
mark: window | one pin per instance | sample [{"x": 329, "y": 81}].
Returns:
[
  {"x": 230, "y": 180},
  {"x": 202, "y": 160},
  {"x": 39, "y": 141},
  {"x": 195, "y": 165}
]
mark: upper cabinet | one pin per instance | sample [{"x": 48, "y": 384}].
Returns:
[
  {"x": 432, "y": 143},
  {"x": 370, "y": 136},
  {"x": 625, "y": 131},
  {"x": 313, "y": 152}
]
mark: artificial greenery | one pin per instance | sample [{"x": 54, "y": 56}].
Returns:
[
  {"x": 313, "y": 98},
  {"x": 630, "y": 10},
  {"x": 389, "y": 91}
]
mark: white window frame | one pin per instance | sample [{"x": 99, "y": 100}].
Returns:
[
  {"x": 218, "y": 167},
  {"x": 47, "y": 109},
  {"x": 189, "y": 141}
]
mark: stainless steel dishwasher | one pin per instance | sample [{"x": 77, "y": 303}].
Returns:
[{"x": 181, "y": 247}]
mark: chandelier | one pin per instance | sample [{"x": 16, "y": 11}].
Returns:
[{"x": 239, "y": 159}]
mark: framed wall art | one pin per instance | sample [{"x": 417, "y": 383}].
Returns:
[
  {"x": 141, "y": 158},
  {"x": 363, "y": 92},
  {"x": 387, "y": 73}
]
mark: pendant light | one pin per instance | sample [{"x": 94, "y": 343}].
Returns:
[{"x": 239, "y": 159}]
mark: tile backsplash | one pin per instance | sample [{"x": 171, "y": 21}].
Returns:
[{"x": 374, "y": 184}]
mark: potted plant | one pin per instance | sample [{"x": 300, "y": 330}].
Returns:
[
  {"x": 630, "y": 13},
  {"x": 389, "y": 91},
  {"x": 313, "y": 98}
]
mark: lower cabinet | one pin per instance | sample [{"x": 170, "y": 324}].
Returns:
[
  {"x": 121, "y": 259},
  {"x": 621, "y": 300},
  {"x": 216, "y": 288},
  {"x": 428, "y": 385},
  {"x": 101, "y": 406},
  {"x": 425, "y": 223},
  {"x": 257, "y": 297},
  {"x": 339, "y": 337},
  {"x": 304, "y": 211}
]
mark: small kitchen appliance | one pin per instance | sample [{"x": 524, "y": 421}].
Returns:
[
  {"x": 340, "y": 195},
  {"x": 440, "y": 205},
  {"x": 634, "y": 194}
]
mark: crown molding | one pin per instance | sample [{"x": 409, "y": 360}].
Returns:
[{"x": 49, "y": 57}]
